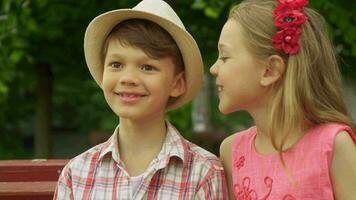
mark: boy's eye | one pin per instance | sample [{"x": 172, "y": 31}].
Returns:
[
  {"x": 116, "y": 65},
  {"x": 147, "y": 68}
]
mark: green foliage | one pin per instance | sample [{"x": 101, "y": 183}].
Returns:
[
  {"x": 51, "y": 32},
  {"x": 339, "y": 14},
  {"x": 341, "y": 19},
  {"x": 10, "y": 148},
  {"x": 211, "y": 8},
  {"x": 40, "y": 31},
  {"x": 182, "y": 120}
]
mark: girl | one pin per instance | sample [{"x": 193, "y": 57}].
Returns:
[{"x": 276, "y": 62}]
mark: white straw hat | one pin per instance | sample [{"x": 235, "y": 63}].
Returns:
[{"x": 162, "y": 14}]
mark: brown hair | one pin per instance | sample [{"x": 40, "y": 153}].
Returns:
[
  {"x": 310, "y": 90},
  {"x": 148, "y": 36}
]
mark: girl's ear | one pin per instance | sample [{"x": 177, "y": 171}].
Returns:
[
  {"x": 179, "y": 86},
  {"x": 273, "y": 71}
]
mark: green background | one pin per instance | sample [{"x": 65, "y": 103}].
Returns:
[{"x": 50, "y": 107}]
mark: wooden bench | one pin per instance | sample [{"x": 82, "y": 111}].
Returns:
[{"x": 29, "y": 179}]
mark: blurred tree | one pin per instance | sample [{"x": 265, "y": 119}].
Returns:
[
  {"x": 41, "y": 58},
  {"x": 45, "y": 84}
]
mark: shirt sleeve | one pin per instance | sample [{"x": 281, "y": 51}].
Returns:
[
  {"x": 64, "y": 188},
  {"x": 213, "y": 186}
]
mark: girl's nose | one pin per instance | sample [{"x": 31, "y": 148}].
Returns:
[{"x": 214, "y": 69}]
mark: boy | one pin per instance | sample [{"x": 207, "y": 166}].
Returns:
[{"x": 146, "y": 64}]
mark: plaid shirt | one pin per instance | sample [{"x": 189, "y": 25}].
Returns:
[{"x": 181, "y": 170}]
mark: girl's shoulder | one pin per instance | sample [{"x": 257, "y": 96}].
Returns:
[
  {"x": 332, "y": 126},
  {"x": 329, "y": 131},
  {"x": 230, "y": 142},
  {"x": 243, "y": 137},
  {"x": 225, "y": 147},
  {"x": 329, "y": 136}
]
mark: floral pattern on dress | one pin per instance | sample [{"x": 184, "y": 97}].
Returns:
[
  {"x": 240, "y": 162},
  {"x": 244, "y": 192}
]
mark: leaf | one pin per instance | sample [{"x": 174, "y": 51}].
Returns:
[
  {"x": 31, "y": 25},
  {"x": 3, "y": 88},
  {"x": 16, "y": 56},
  {"x": 350, "y": 35},
  {"x": 198, "y": 5},
  {"x": 211, "y": 12},
  {"x": 6, "y": 5},
  {"x": 41, "y": 3},
  {"x": 353, "y": 53}
]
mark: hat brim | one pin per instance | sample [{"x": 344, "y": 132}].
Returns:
[{"x": 99, "y": 28}]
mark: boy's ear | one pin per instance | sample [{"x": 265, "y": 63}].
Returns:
[
  {"x": 273, "y": 71},
  {"x": 179, "y": 86}
]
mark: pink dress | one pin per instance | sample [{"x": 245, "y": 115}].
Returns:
[{"x": 262, "y": 177}]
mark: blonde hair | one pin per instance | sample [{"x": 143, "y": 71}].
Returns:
[{"x": 310, "y": 90}]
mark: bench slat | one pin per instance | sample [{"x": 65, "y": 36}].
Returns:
[
  {"x": 29, "y": 179},
  {"x": 30, "y": 170},
  {"x": 27, "y": 189}
]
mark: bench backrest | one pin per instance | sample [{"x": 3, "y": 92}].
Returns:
[{"x": 29, "y": 179}]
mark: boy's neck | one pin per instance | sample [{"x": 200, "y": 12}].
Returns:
[
  {"x": 140, "y": 143},
  {"x": 143, "y": 134}
]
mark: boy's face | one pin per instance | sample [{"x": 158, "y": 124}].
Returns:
[{"x": 136, "y": 86}]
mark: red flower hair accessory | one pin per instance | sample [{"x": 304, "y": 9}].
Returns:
[{"x": 288, "y": 17}]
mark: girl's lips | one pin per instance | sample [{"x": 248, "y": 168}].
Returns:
[{"x": 219, "y": 89}]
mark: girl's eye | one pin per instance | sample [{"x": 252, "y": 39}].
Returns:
[
  {"x": 116, "y": 65},
  {"x": 147, "y": 68},
  {"x": 223, "y": 59}
]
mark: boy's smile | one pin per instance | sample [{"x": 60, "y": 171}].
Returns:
[
  {"x": 137, "y": 86},
  {"x": 130, "y": 97}
]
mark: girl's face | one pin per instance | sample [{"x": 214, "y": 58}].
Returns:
[{"x": 238, "y": 73}]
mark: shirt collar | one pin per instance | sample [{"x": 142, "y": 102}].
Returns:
[
  {"x": 173, "y": 146},
  {"x": 111, "y": 147}
]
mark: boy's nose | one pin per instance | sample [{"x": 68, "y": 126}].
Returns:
[
  {"x": 128, "y": 77},
  {"x": 128, "y": 82}
]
